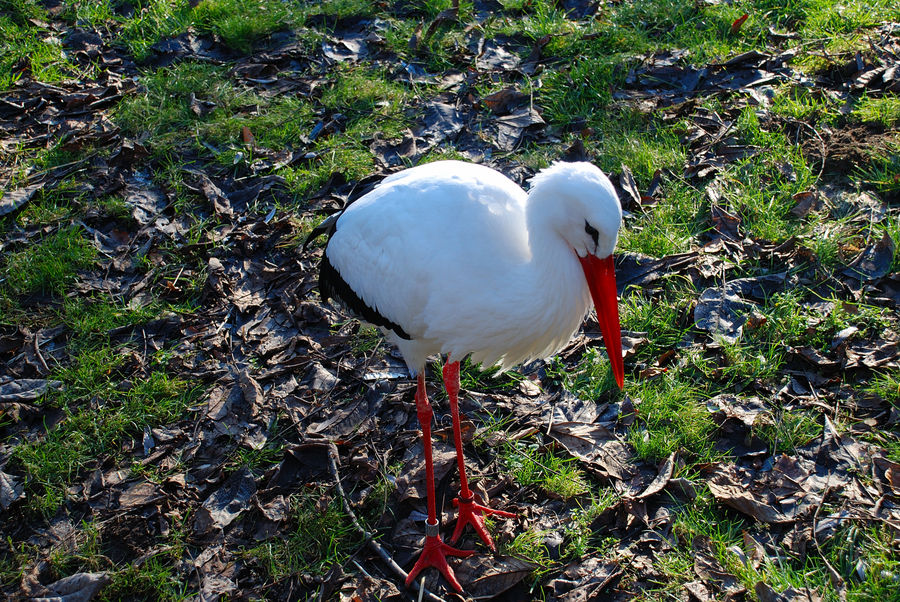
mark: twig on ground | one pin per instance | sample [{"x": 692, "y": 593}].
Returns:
[{"x": 376, "y": 547}]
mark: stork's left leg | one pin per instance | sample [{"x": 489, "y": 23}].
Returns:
[
  {"x": 435, "y": 552},
  {"x": 470, "y": 511}
]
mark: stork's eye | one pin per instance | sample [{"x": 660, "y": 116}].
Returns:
[{"x": 592, "y": 232}]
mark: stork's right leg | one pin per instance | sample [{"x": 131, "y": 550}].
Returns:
[
  {"x": 471, "y": 512},
  {"x": 436, "y": 551}
]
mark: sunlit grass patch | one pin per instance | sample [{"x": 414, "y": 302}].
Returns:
[
  {"x": 671, "y": 225},
  {"x": 241, "y": 23},
  {"x": 163, "y": 110},
  {"x": 100, "y": 416},
  {"x": 530, "y": 546},
  {"x": 788, "y": 429},
  {"x": 156, "y": 19},
  {"x": 27, "y": 51},
  {"x": 592, "y": 378},
  {"x": 359, "y": 93},
  {"x": 50, "y": 265},
  {"x": 671, "y": 418},
  {"x": 320, "y": 535},
  {"x": 581, "y": 540},
  {"x": 531, "y": 466},
  {"x": 341, "y": 9},
  {"x": 884, "y": 110},
  {"x": 89, "y": 317},
  {"x": 882, "y": 171}
]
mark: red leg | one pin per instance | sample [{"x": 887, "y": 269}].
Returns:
[
  {"x": 436, "y": 551},
  {"x": 470, "y": 511}
]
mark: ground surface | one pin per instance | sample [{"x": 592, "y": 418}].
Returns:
[{"x": 172, "y": 391}]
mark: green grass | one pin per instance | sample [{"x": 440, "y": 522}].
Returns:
[
  {"x": 319, "y": 537},
  {"x": 882, "y": 172},
  {"x": 27, "y": 50},
  {"x": 671, "y": 418},
  {"x": 50, "y": 265},
  {"x": 788, "y": 430},
  {"x": 556, "y": 474},
  {"x": 242, "y": 23},
  {"x": 99, "y": 417},
  {"x": 580, "y": 540}
]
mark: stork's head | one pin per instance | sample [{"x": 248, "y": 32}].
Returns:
[{"x": 580, "y": 203}]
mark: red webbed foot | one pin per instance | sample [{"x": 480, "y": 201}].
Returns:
[
  {"x": 435, "y": 555},
  {"x": 473, "y": 513}
]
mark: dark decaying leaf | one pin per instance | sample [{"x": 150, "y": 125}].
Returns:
[
  {"x": 746, "y": 410},
  {"x": 10, "y": 490},
  {"x": 14, "y": 199},
  {"x": 726, "y": 225},
  {"x": 662, "y": 478},
  {"x": 720, "y": 311},
  {"x": 585, "y": 580},
  {"x": 225, "y": 504},
  {"x": 139, "y": 494},
  {"x": 488, "y": 576},
  {"x": 145, "y": 202},
  {"x": 369, "y": 589},
  {"x": 708, "y": 568},
  {"x": 214, "y": 587},
  {"x": 495, "y": 57},
  {"x": 80, "y": 587},
  {"x": 505, "y": 101},
  {"x": 767, "y": 593},
  {"x": 346, "y": 46},
  {"x": 441, "y": 122},
  {"x": 26, "y": 389},
  {"x": 628, "y": 184},
  {"x": 511, "y": 128},
  {"x": 598, "y": 447},
  {"x": 874, "y": 261},
  {"x": 734, "y": 490}
]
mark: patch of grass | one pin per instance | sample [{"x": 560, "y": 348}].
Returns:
[
  {"x": 164, "y": 111},
  {"x": 27, "y": 50},
  {"x": 671, "y": 418},
  {"x": 242, "y": 23},
  {"x": 367, "y": 339},
  {"x": 788, "y": 430},
  {"x": 88, "y": 12},
  {"x": 764, "y": 186},
  {"x": 100, "y": 417},
  {"x": 805, "y": 104},
  {"x": 530, "y": 546},
  {"x": 887, "y": 386},
  {"x": 153, "y": 579},
  {"x": 884, "y": 110},
  {"x": 50, "y": 265},
  {"x": 671, "y": 226},
  {"x": 530, "y": 466},
  {"x": 89, "y": 317},
  {"x": 591, "y": 379},
  {"x": 321, "y": 536},
  {"x": 153, "y": 21},
  {"x": 882, "y": 171},
  {"x": 581, "y": 541},
  {"x": 367, "y": 99},
  {"x": 341, "y": 9}
]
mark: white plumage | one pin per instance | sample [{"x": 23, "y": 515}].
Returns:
[
  {"x": 468, "y": 264},
  {"x": 455, "y": 258}
]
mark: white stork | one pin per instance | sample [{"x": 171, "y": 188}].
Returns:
[{"x": 454, "y": 258}]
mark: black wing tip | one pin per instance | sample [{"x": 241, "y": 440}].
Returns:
[
  {"x": 333, "y": 286},
  {"x": 326, "y": 226}
]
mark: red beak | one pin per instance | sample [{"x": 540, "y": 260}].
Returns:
[{"x": 601, "y": 279}]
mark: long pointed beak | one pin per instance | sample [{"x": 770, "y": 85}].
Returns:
[{"x": 601, "y": 279}]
